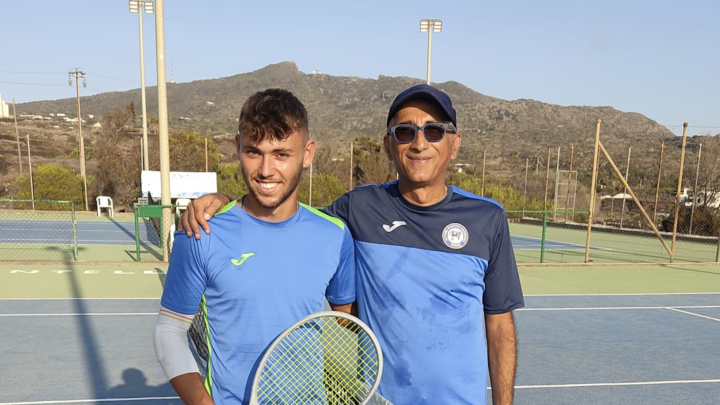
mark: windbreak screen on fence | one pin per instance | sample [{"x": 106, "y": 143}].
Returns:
[
  {"x": 538, "y": 239},
  {"x": 37, "y": 230}
]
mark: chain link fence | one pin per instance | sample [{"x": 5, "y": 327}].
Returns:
[{"x": 38, "y": 230}]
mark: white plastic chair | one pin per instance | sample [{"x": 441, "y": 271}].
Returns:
[
  {"x": 104, "y": 202},
  {"x": 181, "y": 205}
]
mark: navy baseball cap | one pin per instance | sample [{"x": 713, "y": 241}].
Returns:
[{"x": 426, "y": 92}]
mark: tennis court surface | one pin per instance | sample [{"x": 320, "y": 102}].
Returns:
[{"x": 82, "y": 334}]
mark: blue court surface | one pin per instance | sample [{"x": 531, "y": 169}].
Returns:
[
  {"x": 123, "y": 233},
  {"x": 88, "y": 233},
  {"x": 573, "y": 349},
  {"x": 527, "y": 243}
]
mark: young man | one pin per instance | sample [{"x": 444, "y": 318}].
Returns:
[
  {"x": 269, "y": 262},
  {"x": 436, "y": 277}
]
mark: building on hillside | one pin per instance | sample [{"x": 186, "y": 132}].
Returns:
[{"x": 4, "y": 109}]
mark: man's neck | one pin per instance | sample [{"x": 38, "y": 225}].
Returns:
[
  {"x": 423, "y": 196},
  {"x": 278, "y": 214}
]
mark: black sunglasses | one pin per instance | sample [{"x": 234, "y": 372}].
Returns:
[{"x": 433, "y": 131}]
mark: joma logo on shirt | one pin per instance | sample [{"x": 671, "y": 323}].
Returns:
[{"x": 243, "y": 257}]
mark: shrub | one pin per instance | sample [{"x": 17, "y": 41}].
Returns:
[{"x": 50, "y": 183}]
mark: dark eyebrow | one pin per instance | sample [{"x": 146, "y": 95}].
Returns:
[{"x": 248, "y": 148}]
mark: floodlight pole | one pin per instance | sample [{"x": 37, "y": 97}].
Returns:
[
  {"x": 137, "y": 6},
  {"x": 163, "y": 128},
  {"x": 428, "y": 54},
  {"x": 77, "y": 74},
  {"x": 430, "y": 26}
]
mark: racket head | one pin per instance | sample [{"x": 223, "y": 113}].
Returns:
[{"x": 325, "y": 358}]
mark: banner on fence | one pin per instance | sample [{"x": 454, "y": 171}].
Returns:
[{"x": 182, "y": 184}]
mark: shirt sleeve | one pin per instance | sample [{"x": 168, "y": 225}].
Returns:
[
  {"x": 340, "y": 208},
  {"x": 186, "y": 276},
  {"x": 503, "y": 292},
  {"x": 341, "y": 289}
]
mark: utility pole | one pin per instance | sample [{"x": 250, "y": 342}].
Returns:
[
  {"x": 17, "y": 136},
  {"x": 77, "y": 74},
  {"x": 163, "y": 127}
]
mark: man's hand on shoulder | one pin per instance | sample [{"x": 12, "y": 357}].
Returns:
[{"x": 199, "y": 211}]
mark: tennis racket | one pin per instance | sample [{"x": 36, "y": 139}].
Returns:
[
  {"x": 197, "y": 334},
  {"x": 327, "y": 358}
]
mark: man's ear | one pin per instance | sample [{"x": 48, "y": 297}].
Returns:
[
  {"x": 457, "y": 140},
  {"x": 237, "y": 144},
  {"x": 309, "y": 153},
  {"x": 386, "y": 144}
]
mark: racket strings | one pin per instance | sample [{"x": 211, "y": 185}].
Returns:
[
  {"x": 326, "y": 361},
  {"x": 198, "y": 333},
  {"x": 293, "y": 373}
]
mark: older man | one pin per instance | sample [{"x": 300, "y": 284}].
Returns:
[{"x": 436, "y": 273}]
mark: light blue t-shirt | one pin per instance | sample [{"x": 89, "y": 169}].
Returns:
[{"x": 258, "y": 279}]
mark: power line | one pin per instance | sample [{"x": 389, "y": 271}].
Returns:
[
  {"x": 32, "y": 73},
  {"x": 34, "y": 84},
  {"x": 693, "y": 126},
  {"x": 112, "y": 78}
]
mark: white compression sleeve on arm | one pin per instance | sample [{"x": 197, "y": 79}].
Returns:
[{"x": 171, "y": 344}]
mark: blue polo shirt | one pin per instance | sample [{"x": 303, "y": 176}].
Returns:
[{"x": 425, "y": 278}]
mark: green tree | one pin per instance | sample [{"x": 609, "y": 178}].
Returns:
[
  {"x": 230, "y": 181},
  {"x": 499, "y": 190},
  {"x": 370, "y": 163},
  {"x": 187, "y": 152},
  {"x": 50, "y": 183},
  {"x": 118, "y": 169},
  {"x": 326, "y": 188}
]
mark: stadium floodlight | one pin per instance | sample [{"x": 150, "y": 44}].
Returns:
[
  {"x": 136, "y": 4},
  {"x": 149, "y": 9},
  {"x": 430, "y": 26}
]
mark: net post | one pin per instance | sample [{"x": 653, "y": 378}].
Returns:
[
  {"x": 592, "y": 190},
  {"x": 74, "y": 227},
  {"x": 137, "y": 231},
  {"x": 542, "y": 241}
]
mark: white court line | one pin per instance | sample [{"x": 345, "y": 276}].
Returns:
[
  {"x": 76, "y": 298},
  {"x": 694, "y": 314},
  {"x": 79, "y": 401},
  {"x": 614, "y": 384},
  {"x": 87, "y": 314},
  {"x": 619, "y": 294},
  {"x": 616, "y": 308},
  {"x": 70, "y": 242}
]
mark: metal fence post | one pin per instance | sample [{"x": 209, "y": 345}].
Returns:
[{"x": 542, "y": 241}]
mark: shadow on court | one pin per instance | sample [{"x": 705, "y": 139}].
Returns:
[
  {"x": 134, "y": 381},
  {"x": 135, "y": 386}
]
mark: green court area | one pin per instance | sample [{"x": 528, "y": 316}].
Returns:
[
  {"x": 145, "y": 280},
  {"x": 567, "y": 245}
]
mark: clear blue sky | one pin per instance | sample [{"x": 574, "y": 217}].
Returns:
[{"x": 659, "y": 58}]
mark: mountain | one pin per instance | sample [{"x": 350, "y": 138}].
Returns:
[
  {"x": 352, "y": 106},
  {"x": 512, "y": 132}
]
